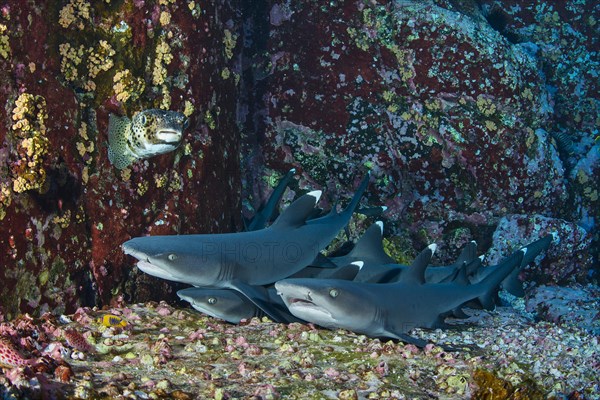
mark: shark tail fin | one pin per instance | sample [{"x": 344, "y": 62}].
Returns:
[
  {"x": 266, "y": 213},
  {"x": 370, "y": 246},
  {"x": 487, "y": 287},
  {"x": 535, "y": 248},
  {"x": 512, "y": 284},
  {"x": 119, "y": 154},
  {"x": 357, "y": 196}
]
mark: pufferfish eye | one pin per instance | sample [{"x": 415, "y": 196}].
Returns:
[
  {"x": 212, "y": 300},
  {"x": 142, "y": 118},
  {"x": 172, "y": 257},
  {"x": 334, "y": 293}
]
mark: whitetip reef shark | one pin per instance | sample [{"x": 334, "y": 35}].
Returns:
[
  {"x": 234, "y": 306},
  {"x": 388, "y": 309},
  {"x": 148, "y": 133},
  {"x": 380, "y": 267},
  {"x": 245, "y": 259}
]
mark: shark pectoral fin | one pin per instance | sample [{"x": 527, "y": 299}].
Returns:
[
  {"x": 406, "y": 338},
  {"x": 422, "y": 343},
  {"x": 259, "y": 296},
  {"x": 322, "y": 262},
  {"x": 298, "y": 212},
  {"x": 119, "y": 153}
]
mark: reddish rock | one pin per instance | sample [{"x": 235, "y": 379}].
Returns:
[
  {"x": 61, "y": 235},
  {"x": 455, "y": 120}
]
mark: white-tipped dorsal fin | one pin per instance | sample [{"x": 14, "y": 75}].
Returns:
[
  {"x": 432, "y": 247},
  {"x": 359, "y": 264},
  {"x": 416, "y": 272},
  {"x": 292, "y": 170},
  {"x": 383, "y": 209},
  {"x": 524, "y": 250},
  {"x": 296, "y": 213},
  {"x": 316, "y": 194},
  {"x": 369, "y": 246}
]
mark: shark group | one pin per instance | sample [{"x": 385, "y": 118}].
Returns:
[{"x": 279, "y": 271}]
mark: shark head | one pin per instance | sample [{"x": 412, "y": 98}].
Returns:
[
  {"x": 173, "y": 258},
  {"x": 225, "y": 304},
  {"x": 331, "y": 303}
]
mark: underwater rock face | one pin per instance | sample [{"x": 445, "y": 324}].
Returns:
[
  {"x": 577, "y": 305},
  {"x": 64, "y": 209},
  {"x": 567, "y": 259},
  {"x": 455, "y": 121}
]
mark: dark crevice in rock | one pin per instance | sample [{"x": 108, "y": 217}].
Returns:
[{"x": 499, "y": 21}]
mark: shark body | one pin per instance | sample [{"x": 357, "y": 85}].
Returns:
[
  {"x": 235, "y": 305},
  {"x": 232, "y": 260},
  {"x": 387, "y": 309}
]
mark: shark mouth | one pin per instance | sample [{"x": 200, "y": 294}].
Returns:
[
  {"x": 299, "y": 307},
  {"x": 153, "y": 270}
]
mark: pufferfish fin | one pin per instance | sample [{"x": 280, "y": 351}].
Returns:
[{"x": 119, "y": 154}]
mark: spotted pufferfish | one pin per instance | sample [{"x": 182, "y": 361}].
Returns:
[{"x": 148, "y": 133}]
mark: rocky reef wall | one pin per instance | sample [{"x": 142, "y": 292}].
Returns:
[
  {"x": 64, "y": 209},
  {"x": 478, "y": 119},
  {"x": 466, "y": 113}
]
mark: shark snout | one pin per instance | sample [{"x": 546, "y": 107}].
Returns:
[{"x": 131, "y": 249}]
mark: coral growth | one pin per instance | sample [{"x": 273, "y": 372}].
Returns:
[{"x": 32, "y": 145}]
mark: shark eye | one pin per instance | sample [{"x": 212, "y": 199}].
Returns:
[
  {"x": 212, "y": 300},
  {"x": 334, "y": 293},
  {"x": 172, "y": 257}
]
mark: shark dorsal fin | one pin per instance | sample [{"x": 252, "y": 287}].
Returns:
[
  {"x": 370, "y": 247},
  {"x": 468, "y": 254},
  {"x": 416, "y": 272},
  {"x": 347, "y": 272},
  {"x": 297, "y": 212}
]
